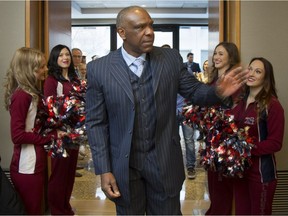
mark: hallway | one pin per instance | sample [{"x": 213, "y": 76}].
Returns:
[{"x": 88, "y": 198}]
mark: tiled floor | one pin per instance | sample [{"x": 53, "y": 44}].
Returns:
[{"x": 88, "y": 198}]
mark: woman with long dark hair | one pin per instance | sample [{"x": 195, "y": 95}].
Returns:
[{"x": 61, "y": 75}]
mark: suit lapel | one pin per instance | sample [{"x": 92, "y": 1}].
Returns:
[
  {"x": 120, "y": 73},
  {"x": 156, "y": 66}
]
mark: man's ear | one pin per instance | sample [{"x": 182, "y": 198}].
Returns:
[{"x": 121, "y": 32}]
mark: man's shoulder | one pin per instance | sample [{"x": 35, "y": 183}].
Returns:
[{"x": 166, "y": 53}]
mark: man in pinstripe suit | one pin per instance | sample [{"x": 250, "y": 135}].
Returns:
[{"x": 131, "y": 121}]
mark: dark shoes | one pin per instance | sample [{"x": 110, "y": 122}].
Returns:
[
  {"x": 191, "y": 173},
  {"x": 79, "y": 167},
  {"x": 77, "y": 174}
]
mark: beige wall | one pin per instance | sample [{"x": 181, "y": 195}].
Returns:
[
  {"x": 264, "y": 32},
  {"x": 12, "y": 31}
]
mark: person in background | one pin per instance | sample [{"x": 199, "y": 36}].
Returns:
[
  {"x": 203, "y": 76},
  {"x": 94, "y": 57},
  {"x": 205, "y": 73},
  {"x": 192, "y": 66},
  {"x": 225, "y": 57},
  {"x": 260, "y": 111},
  {"x": 188, "y": 135},
  {"x": 77, "y": 59},
  {"x": 131, "y": 121},
  {"x": 194, "y": 69},
  {"x": 83, "y": 59},
  {"x": 82, "y": 71},
  {"x": 82, "y": 147},
  {"x": 188, "y": 131},
  {"x": 22, "y": 97},
  {"x": 166, "y": 46},
  {"x": 61, "y": 74}
]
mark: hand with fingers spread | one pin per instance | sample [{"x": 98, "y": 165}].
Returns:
[
  {"x": 230, "y": 82},
  {"x": 109, "y": 185}
]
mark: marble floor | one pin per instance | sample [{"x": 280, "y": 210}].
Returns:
[{"x": 88, "y": 199}]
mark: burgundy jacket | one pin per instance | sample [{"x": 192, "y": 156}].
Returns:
[
  {"x": 268, "y": 131},
  {"x": 29, "y": 155}
]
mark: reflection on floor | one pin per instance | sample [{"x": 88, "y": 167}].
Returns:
[{"x": 88, "y": 199}]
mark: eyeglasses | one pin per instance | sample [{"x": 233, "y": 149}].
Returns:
[{"x": 77, "y": 56}]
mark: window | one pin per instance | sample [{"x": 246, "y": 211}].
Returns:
[
  {"x": 92, "y": 40},
  {"x": 194, "y": 39},
  {"x": 96, "y": 40}
]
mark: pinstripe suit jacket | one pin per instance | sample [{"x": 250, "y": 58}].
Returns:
[{"x": 111, "y": 111}]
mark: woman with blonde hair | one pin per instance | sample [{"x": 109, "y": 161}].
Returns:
[
  {"x": 22, "y": 100},
  {"x": 203, "y": 75},
  {"x": 205, "y": 72}
]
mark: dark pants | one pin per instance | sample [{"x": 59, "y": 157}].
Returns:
[
  {"x": 61, "y": 181},
  {"x": 147, "y": 192},
  {"x": 221, "y": 194}
]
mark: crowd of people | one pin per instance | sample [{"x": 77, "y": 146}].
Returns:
[{"x": 132, "y": 127}]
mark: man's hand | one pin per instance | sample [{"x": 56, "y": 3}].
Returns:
[
  {"x": 229, "y": 83},
  {"x": 109, "y": 185}
]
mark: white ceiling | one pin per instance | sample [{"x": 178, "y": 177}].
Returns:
[{"x": 162, "y": 11}]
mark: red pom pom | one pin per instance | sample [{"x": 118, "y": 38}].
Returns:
[
  {"x": 228, "y": 148},
  {"x": 65, "y": 113}
]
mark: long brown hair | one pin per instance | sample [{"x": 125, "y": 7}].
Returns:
[
  {"x": 268, "y": 91},
  {"x": 20, "y": 74},
  {"x": 234, "y": 59}
]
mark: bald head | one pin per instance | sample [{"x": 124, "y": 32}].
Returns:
[
  {"x": 135, "y": 27},
  {"x": 122, "y": 15}
]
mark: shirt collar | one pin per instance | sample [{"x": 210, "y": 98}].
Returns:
[{"x": 129, "y": 59}]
